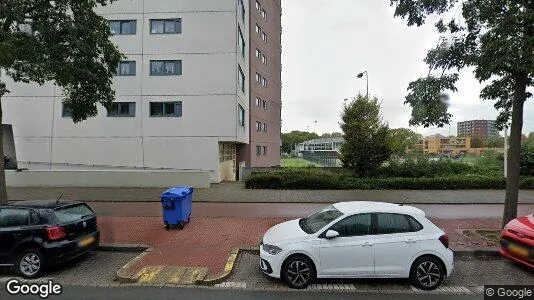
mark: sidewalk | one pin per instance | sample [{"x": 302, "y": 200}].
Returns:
[
  {"x": 230, "y": 192},
  {"x": 203, "y": 250}
]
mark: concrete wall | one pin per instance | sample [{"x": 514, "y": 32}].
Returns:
[{"x": 107, "y": 179}]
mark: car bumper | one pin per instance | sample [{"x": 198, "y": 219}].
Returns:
[
  {"x": 525, "y": 261},
  {"x": 449, "y": 261},
  {"x": 62, "y": 251},
  {"x": 270, "y": 264}
]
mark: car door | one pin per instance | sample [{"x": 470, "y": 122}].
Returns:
[
  {"x": 351, "y": 254},
  {"x": 396, "y": 241},
  {"x": 13, "y": 230}
]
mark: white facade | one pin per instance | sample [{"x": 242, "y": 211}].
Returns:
[{"x": 208, "y": 88}]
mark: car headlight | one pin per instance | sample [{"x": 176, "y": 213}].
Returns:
[{"x": 273, "y": 250}]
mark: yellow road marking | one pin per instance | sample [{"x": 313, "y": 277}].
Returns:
[
  {"x": 230, "y": 263},
  {"x": 176, "y": 275},
  {"x": 149, "y": 274}
]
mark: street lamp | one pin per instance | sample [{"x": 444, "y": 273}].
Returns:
[
  {"x": 315, "y": 127},
  {"x": 367, "y": 78}
]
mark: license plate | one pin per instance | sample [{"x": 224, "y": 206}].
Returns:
[
  {"x": 518, "y": 250},
  {"x": 86, "y": 241}
]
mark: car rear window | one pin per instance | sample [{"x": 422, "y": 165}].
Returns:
[{"x": 73, "y": 212}]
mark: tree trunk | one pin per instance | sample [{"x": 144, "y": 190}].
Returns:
[
  {"x": 514, "y": 152},
  {"x": 3, "y": 190}
]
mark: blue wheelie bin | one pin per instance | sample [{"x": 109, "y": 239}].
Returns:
[{"x": 176, "y": 203}]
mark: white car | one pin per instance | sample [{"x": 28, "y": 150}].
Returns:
[{"x": 358, "y": 240}]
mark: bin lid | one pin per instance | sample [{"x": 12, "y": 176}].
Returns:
[{"x": 179, "y": 191}]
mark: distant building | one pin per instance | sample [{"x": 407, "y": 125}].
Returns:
[
  {"x": 321, "y": 145},
  {"x": 477, "y": 128},
  {"x": 438, "y": 144}
]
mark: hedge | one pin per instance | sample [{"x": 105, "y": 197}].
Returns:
[{"x": 325, "y": 181}]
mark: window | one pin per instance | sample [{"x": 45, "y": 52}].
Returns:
[
  {"x": 393, "y": 223},
  {"x": 166, "y": 26},
  {"x": 355, "y": 225},
  {"x": 165, "y": 67},
  {"x": 258, "y": 54},
  {"x": 264, "y": 104},
  {"x": 264, "y": 36},
  {"x": 319, "y": 220},
  {"x": 258, "y": 5},
  {"x": 264, "y": 150},
  {"x": 264, "y": 14},
  {"x": 258, "y": 126},
  {"x": 416, "y": 226},
  {"x": 241, "y": 113},
  {"x": 264, "y": 81},
  {"x": 241, "y": 79},
  {"x": 166, "y": 109},
  {"x": 122, "y": 109},
  {"x": 258, "y": 29},
  {"x": 241, "y": 43},
  {"x": 126, "y": 68},
  {"x": 242, "y": 10},
  {"x": 73, "y": 212},
  {"x": 14, "y": 217},
  {"x": 258, "y": 102},
  {"x": 264, "y": 59},
  {"x": 258, "y": 78},
  {"x": 66, "y": 111},
  {"x": 264, "y": 127},
  {"x": 123, "y": 27}
]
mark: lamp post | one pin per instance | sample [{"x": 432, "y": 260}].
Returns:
[
  {"x": 367, "y": 79},
  {"x": 315, "y": 127}
]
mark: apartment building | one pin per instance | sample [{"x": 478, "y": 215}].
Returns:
[
  {"x": 183, "y": 94},
  {"x": 438, "y": 144},
  {"x": 477, "y": 128},
  {"x": 265, "y": 85}
]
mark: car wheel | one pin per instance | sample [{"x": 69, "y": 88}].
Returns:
[
  {"x": 30, "y": 264},
  {"x": 298, "y": 272},
  {"x": 427, "y": 273}
]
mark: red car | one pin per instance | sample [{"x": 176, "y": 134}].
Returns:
[{"x": 517, "y": 241}]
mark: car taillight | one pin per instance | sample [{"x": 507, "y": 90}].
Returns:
[
  {"x": 444, "y": 239},
  {"x": 55, "y": 233}
]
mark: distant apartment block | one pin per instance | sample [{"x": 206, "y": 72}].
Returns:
[
  {"x": 198, "y": 90},
  {"x": 438, "y": 144},
  {"x": 477, "y": 128}
]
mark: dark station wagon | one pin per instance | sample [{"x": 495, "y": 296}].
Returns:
[{"x": 37, "y": 234}]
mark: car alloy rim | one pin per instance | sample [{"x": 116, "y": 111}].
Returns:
[
  {"x": 298, "y": 273},
  {"x": 30, "y": 264},
  {"x": 428, "y": 273}
]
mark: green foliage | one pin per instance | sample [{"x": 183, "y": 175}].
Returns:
[
  {"x": 527, "y": 159},
  {"x": 494, "y": 142},
  {"x": 401, "y": 139},
  {"x": 289, "y": 140},
  {"x": 421, "y": 167},
  {"x": 63, "y": 41},
  {"x": 366, "y": 137},
  {"x": 318, "y": 180}
]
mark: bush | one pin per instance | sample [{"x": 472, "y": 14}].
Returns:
[
  {"x": 527, "y": 159},
  {"x": 423, "y": 167},
  {"x": 319, "y": 180}
]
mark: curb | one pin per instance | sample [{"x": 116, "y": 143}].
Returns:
[
  {"x": 122, "y": 247},
  {"x": 124, "y": 276},
  {"x": 490, "y": 252},
  {"x": 229, "y": 267}
]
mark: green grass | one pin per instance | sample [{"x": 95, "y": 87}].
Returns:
[{"x": 297, "y": 163}]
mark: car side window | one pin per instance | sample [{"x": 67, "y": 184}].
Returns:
[
  {"x": 416, "y": 226},
  {"x": 355, "y": 225},
  {"x": 14, "y": 217},
  {"x": 393, "y": 223}
]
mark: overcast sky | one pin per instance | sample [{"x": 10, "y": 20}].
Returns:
[{"x": 327, "y": 42}]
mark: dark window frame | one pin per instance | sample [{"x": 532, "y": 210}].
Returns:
[
  {"x": 177, "y": 67},
  {"x": 133, "y": 27},
  {"x": 178, "y": 113},
  {"x": 177, "y": 25},
  {"x": 115, "y": 110},
  {"x": 133, "y": 66},
  {"x": 66, "y": 112},
  {"x": 406, "y": 217},
  {"x": 371, "y": 227},
  {"x": 241, "y": 115},
  {"x": 28, "y": 217}
]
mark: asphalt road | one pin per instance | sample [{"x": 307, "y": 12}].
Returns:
[{"x": 151, "y": 293}]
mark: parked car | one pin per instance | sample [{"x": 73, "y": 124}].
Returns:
[
  {"x": 358, "y": 240},
  {"x": 34, "y": 235},
  {"x": 517, "y": 241}
]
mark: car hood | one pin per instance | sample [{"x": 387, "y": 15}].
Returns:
[
  {"x": 286, "y": 232},
  {"x": 525, "y": 223}
]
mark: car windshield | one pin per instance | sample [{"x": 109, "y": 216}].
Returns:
[
  {"x": 73, "y": 212},
  {"x": 320, "y": 219}
]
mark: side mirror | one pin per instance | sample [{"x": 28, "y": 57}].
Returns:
[{"x": 330, "y": 234}]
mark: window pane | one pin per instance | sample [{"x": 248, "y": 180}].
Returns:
[
  {"x": 125, "y": 27},
  {"x": 392, "y": 223},
  {"x": 170, "y": 68},
  {"x": 354, "y": 225},
  {"x": 75, "y": 212},
  {"x": 156, "y": 26},
  {"x": 125, "y": 68},
  {"x": 12, "y": 217},
  {"x": 156, "y": 67},
  {"x": 170, "y": 26},
  {"x": 124, "y": 109},
  {"x": 115, "y": 27},
  {"x": 169, "y": 108},
  {"x": 416, "y": 226},
  {"x": 156, "y": 109}
]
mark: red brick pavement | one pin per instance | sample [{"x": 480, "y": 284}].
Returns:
[{"x": 207, "y": 242}]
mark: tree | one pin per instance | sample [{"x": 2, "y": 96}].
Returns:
[
  {"x": 496, "y": 39},
  {"x": 62, "y": 41},
  {"x": 367, "y": 143},
  {"x": 477, "y": 142},
  {"x": 402, "y": 139},
  {"x": 289, "y": 140},
  {"x": 495, "y": 142},
  {"x": 332, "y": 135}
]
